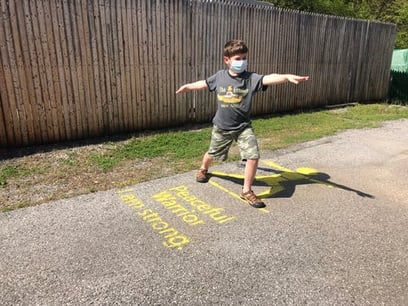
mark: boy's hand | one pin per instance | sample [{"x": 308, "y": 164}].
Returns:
[
  {"x": 182, "y": 89},
  {"x": 296, "y": 79},
  {"x": 199, "y": 85},
  {"x": 274, "y": 79}
]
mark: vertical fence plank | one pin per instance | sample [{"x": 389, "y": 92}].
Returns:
[
  {"x": 95, "y": 57},
  {"x": 113, "y": 47},
  {"x": 144, "y": 64},
  {"x": 53, "y": 25},
  {"x": 123, "y": 99},
  {"x": 74, "y": 77},
  {"x": 156, "y": 78},
  {"x": 107, "y": 75},
  {"x": 6, "y": 98},
  {"x": 67, "y": 98},
  {"x": 44, "y": 50},
  {"x": 136, "y": 70},
  {"x": 168, "y": 50},
  {"x": 104, "y": 63},
  {"x": 7, "y": 55},
  {"x": 22, "y": 95},
  {"x": 51, "y": 32},
  {"x": 127, "y": 62},
  {"x": 87, "y": 66}
]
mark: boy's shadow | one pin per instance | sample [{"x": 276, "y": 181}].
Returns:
[{"x": 282, "y": 183}]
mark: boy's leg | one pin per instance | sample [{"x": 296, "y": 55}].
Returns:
[
  {"x": 206, "y": 163},
  {"x": 219, "y": 146},
  {"x": 249, "y": 150},
  {"x": 202, "y": 175},
  {"x": 247, "y": 194},
  {"x": 250, "y": 172},
  {"x": 248, "y": 146}
]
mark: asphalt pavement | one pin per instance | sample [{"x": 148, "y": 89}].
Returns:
[{"x": 334, "y": 232}]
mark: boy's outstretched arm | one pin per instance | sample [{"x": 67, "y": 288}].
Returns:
[
  {"x": 272, "y": 79},
  {"x": 199, "y": 85}
]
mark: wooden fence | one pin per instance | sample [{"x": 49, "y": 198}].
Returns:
[{"x": 72, "y": 69}]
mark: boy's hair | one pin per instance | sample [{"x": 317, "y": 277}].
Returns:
[{"x": 234, "y": 47}]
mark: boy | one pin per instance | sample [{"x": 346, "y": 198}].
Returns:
[{"x": 235, "y": 87}]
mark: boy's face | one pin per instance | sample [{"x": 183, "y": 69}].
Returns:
[{"x": 236, "y": 63}]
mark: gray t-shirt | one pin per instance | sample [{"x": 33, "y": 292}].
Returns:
[{"x": 234, "y": 97}]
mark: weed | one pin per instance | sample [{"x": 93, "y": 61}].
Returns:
[{"x": 11, "y": 171}]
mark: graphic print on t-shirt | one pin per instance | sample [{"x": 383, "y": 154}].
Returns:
[{"x": 231, "y": 94}]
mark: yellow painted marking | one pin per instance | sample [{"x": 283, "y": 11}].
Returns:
[
  {"x": 234, "y": 194},
  {"x": 274, "y": 180},
  {"x": 303, "y": 171},
  {"x": 269, "y": 193},
  {"x": 173, "y": 238},
  {"x": 275, "y": 165},
  {"x": 170, "y": 199},
  {"x": 306, "y": 171},
  {"x": 237, "y": 176}
]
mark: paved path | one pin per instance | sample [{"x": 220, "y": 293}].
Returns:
[{"x": 334, "y": 232}]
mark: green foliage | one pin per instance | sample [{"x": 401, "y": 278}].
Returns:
[
  {"x": 401, "y": 19},
  {"x": 393, "y": 11}
]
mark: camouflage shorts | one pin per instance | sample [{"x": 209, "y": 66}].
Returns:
[{"x": 221, "y": 141}]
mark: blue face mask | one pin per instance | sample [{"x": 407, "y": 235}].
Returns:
[{"x": 239, "y": 66}]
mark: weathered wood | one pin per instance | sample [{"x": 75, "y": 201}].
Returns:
[{"x": 72, "y": 69}]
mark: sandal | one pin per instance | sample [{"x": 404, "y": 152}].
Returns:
[
  {"x": 252, "y": 199},
  {"x": 202, "y": 176}
]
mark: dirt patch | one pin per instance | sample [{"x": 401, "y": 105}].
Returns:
[{"x": 39, "y": 175}]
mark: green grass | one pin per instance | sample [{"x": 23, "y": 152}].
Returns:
[
  {"x": 151, "y": 155},
  {"x": 283, "y": 131},
  {"x": 187, "y": 147},
  {"x": 10, "y": 171},
  {"x": 172, "y": 146}
]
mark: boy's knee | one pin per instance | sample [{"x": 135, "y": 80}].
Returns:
[
  {"x": 222, "y": 156},
  {"x": 250, "y": 154},
  {"x": 252, "y": 161}
]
